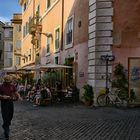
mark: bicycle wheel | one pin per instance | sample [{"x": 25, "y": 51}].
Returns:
[
  {"x": 120, "y": 102},
  {"x": 101, "y": 100}
]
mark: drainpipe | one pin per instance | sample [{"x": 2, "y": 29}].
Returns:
[
  {"x": 33, "y": 8},
  {"x": 34, "y": 49},
  {"x": 62, "y": 36},
  {"x": 62, "y": 25}
]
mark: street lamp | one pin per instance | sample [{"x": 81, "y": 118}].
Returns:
[{"x": 107, "y": 58}]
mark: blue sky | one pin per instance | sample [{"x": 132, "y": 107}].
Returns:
[{"x": 7, "y": 8}]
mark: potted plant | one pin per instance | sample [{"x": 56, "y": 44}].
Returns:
[
  {"x": 88, "y": 94},
  {"x": 132, "y": 95},
  {"x": 121, "y": 82}
]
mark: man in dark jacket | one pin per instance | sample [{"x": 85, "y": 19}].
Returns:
[{"x": 8, "y": 94}]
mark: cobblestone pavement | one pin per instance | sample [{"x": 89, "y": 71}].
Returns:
[{"x": 74, "y": 122}]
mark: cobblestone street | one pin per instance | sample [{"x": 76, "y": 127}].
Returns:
[{"x": 74, "y": 122}]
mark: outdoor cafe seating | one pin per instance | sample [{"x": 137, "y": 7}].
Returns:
[{"x": 57, "y": 74}]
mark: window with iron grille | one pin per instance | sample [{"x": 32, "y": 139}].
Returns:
[
  {"x": 30, "y": 56},
  {"x": 11, "y": 34},
  {"x": 17, "y": 60},
  {"x": 10, "y": 47},
  {"x": 38, "y": 13},
  {"x": 18, "y": 44},
  {"x": 23, "y": 60},
  {"x": 57, "y": 36},
  {"x": 69, "y": 31},
  {"x": 37, "y": 58},
  {"x": 26, "y": 59},
  {"x": 56, "y": 60},
  {"x": 18, "y": 28},
  {"x": 37, "y": 44},
  {"x": 48, "y": 45},
  {"x": 9, "y": 62},
  {"x": 24, "y": 31},
  {"x": 27, "y": 28}
]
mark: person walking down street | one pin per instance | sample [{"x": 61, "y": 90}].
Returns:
[{"x": 8, "y": 94}]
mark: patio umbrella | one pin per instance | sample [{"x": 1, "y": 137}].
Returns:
[
  {"x": 31, "y": 68},
  {"x": 54, "y": 66},
  {"x": 10, "y": 69}
]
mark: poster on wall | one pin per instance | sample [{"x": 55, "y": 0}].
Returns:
[{"x": 134, "y": 79}]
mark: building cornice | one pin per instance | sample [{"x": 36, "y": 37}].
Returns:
[
  {"x": 17, "y": 18},
  {"x": 16, "y": 21}
]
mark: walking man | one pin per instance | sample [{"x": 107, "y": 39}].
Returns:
[{"x": 8, "y": 94}]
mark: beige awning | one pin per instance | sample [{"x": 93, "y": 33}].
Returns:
[
  {"x": 54, "y": 66},
  {"x": 10, "y": 69},
  {"x": 31, "y": 68},
  {"x": 44, "y": 67}
]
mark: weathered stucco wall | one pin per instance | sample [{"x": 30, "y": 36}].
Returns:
[{"x": 126, "y": 29}]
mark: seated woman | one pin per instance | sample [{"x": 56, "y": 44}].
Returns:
[
  {"x": 45, "y": 95},
  {"x": 60, "y": 95},
  {"x": 37, "y": 98},
  {"x": 31, "y": 94}
]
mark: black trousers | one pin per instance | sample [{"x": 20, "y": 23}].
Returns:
[{"x": 7, "y": 110}]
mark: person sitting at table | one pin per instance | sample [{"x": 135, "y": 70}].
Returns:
[
  {"x": 38, "y": 84},
  {"x": 45, "y": 95},
  {"x": 31, "y": 94},
  {"x": 37, "y": 97},
  {"x": 59, "y": 91},
  {"x": 48, "y": 91}
]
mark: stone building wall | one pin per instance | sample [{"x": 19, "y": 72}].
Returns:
[{"x": 100, "y": 42}]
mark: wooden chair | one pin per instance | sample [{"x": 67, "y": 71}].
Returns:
[{"x": 46, "y": 101}]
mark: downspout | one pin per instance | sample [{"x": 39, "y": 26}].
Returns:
[
  {"x": 34, "y": 51},
  {"x": 62, "y": 36},
  {"x": 33, "y": 8},
  {"x": 62, "y": 25}
]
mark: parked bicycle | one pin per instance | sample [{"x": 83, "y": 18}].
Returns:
[{"x": 111, "y": 98}]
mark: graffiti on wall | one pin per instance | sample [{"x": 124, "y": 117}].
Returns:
[{"x": 135, "y": 73}]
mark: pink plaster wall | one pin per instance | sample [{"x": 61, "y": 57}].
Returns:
[
  {"x": 80, "y": 54},
  {"x": 127, "y": 28},
  {"x": 122, "y": 54}
]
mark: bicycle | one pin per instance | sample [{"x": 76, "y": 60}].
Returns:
[{"x": 110, "y": 98}]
